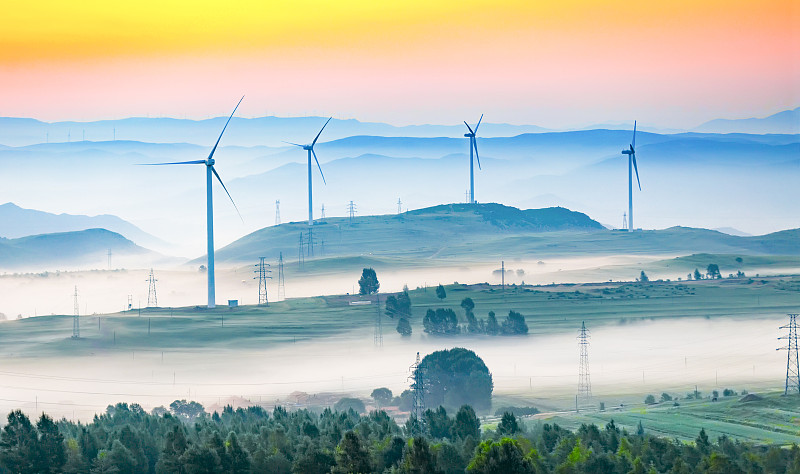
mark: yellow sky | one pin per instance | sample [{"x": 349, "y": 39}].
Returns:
[{"x": 681, "y": 46}]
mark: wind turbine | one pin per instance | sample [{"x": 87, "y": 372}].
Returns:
[
  {"x": 209, "y": 162},
  {"x": 310, "y": 150},
  {"x": 473, "y": 145},
  {"x": 631, "y": 152}
]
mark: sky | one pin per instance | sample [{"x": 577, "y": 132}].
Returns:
[{"x": 554, "y": 64}]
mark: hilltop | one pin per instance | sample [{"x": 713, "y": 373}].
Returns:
[
  {"x": 454, "y": 233},
  {"x": 86, "y": 248}
]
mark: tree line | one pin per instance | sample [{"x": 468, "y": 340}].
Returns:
[{"x": 127, "y": 439}]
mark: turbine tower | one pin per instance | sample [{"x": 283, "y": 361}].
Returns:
[
  {"x": 473, "y": 145},
  {"x": 631, "y": 152},
  {"x": 310, "y": 150},
  {"x": 209, "y": 162}
]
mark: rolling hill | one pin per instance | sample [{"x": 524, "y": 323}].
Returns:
[
  {"x": 19, "y": 222},
  {"x": 462, "y": 233},
  {"x": 83, "y": 249}
]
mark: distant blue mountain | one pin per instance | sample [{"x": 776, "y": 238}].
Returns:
[
  {"x": 787, "y": 121},
  {"x": 16, "y": 222},
  {"x": 66, "y": 249}
]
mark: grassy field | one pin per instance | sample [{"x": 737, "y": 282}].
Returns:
[
  {"x": 547, "y": 309},
  {"x": 771, "y": 419}
]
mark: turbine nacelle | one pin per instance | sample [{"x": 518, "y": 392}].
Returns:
[
  {"x": 210, "y": 162},
  {"x": 469, "y": 135}
]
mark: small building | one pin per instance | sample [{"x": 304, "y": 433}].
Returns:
[{"x": 233, "y": 303}]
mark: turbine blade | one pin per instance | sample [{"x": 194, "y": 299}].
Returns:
[
  {"x": 475, "y": 145},
  {"x": 633, "y": 157},
  {"x": 479, "y": 124},
  {"x": 468, "y": 127},
  {"x": 290, "y": 143},
  {"x": 633, "y": 143},
  {"x": 318, "y": 166},
  {"x": 320, "y": 132},
  {"x": 226, "y": 192},
  {"x": 210, "y": 155},
  {"x": 194, "y": 162}
]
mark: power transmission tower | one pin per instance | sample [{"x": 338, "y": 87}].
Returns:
[
  {"x": 262, "y": 281},
  {"x": 792, "y": 364},
  {"x": 109, "y": 259},
  {"x": 152, "y": 298},
  {"x": 301, "y": 253},
  {"x": 624, "y": 221},
  {"x": 310, "y": 242},
  {"x": 503, "y": 276},
  {"x": 378, "y": 340},
  {"x": 76, "y": 325},
  {"x": 281, "y": 281},
  {"x": 418, "y": 388},
  {"x": 322, "y": 213},
  {"x": 399, "y": 206},
  {"x": 278, "y": 212},
  {"x": 351, "y": 211},
  {"x": 584, "y": 382},
  {"x": 467, "y": 197}
]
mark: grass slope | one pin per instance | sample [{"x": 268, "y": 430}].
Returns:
[{"x": 484, "y": 232}]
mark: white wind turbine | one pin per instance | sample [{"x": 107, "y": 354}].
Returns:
[
  {"x": 631, "y": 152},
  {"x": 310, "y": 150},
  {"x": 209, "y": 162},
  {"x": 473, "y": 145}
]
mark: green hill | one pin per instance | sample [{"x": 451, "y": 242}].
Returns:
[
  {"x": 64, "y": 248},
  {"x": 471, "y": 233}
]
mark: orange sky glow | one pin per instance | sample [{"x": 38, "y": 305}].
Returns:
[{"x": 554, "y": 64}]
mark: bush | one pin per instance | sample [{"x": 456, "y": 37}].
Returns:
[
  {"x": 404, "y": 327},
  {"x": 650, "y": 400}
]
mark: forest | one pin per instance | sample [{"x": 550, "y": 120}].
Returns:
[{"x": 186, "y": 439}]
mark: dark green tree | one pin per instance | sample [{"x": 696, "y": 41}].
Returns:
[
  {"x": 438, "y": 423},
  {"x": 201, "y": 459},
  {"x": 368, "y": 283},
  {"x": 697, "y": 274},
  {"x": 314, "y": 461},
  {"x": 440, "y": 293},
  {"x": 508, "y": 425},
  {"x": 352, "y": 456},
  {"x": 514, "y": 324},
  {"x": 466, "y": 423},
  {"x": 419, "y": 458},
  {"x": 18, "y": 443},
  {"x": 442, "y": 321},
  {"x": 492, "y": 327},
  {"x": 51, "y": 453},
  {"x": 643, "y": 277},
  {"x": 382, "y": 396},
  {"x": 713, "y": 271},
  {"x": 174, "y": 446},
  {"x": 347, "y": 403},
  {"x": 504, "y": 456},
  {"x": 238, "y": 460},
  {"x": 404, "y": 327},
  {"x": 457, "y": 377},
  {"x": 188, "y": 411}
]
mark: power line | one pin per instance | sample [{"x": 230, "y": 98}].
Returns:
[
  {"x": 76, "y": 327},
  {"x": 351, "y": 211},
  {"x": 584, "y": 381},
  {"x": 301, "y": 253},
  {"x": 418, "y": 388},
  {"x": 152, "y": 298},
  {"x": 378, "y": 338},
  {"x": 281, "y": 281},
  {"x": 792, "y": 364},
  {"x": 262, "y": 281}
]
